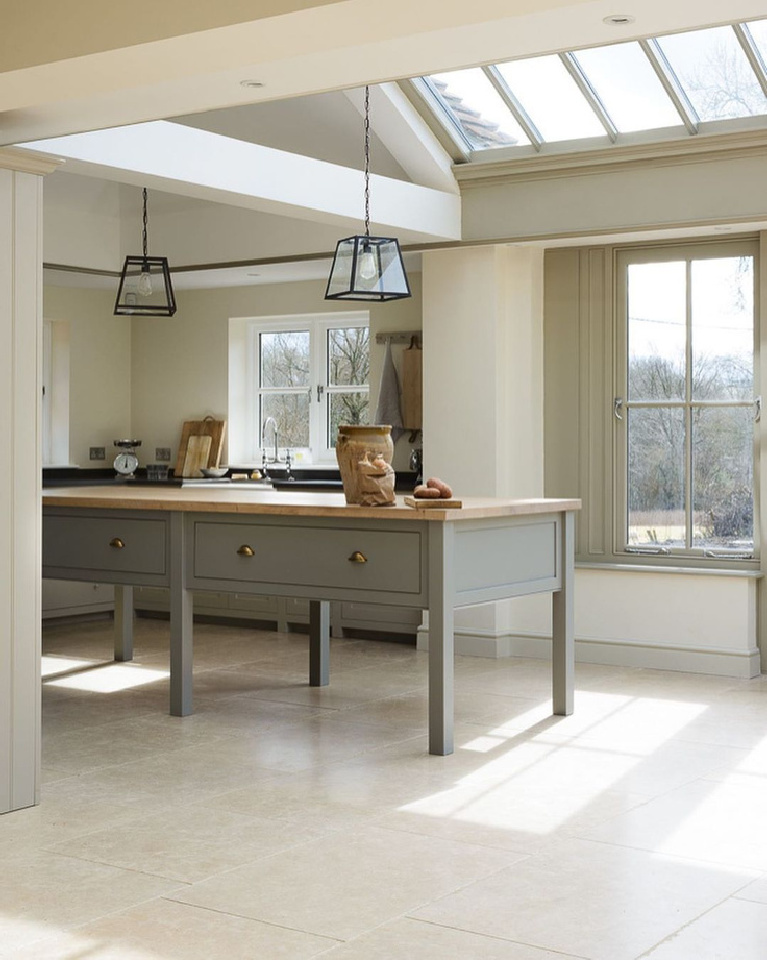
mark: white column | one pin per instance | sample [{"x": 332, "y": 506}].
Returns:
[
  {"x": 20, "y": 388},
  {"x": 483, "y": 396}
]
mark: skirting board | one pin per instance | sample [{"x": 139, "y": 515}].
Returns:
[{"x": 621, "y": 653}]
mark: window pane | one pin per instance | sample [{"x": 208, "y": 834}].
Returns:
[
  {"x": 722, "y": 328},
  {"x": 478, "y": 109},
  {"x": 656, "y": 330},
  {"x": 715, "y": 73},
  {"x": 758, "y": 31},
  {"x": 346, "y": 408},
  {"x": 348, "y": 356},
  {"x": 285, "y": 359},
  {"x": 551, "y": 98},
  {"x": 656, "y": 501},
  {"x": 723, "y": 503},
  {"x": 291, "y": 411},
  {"x": 628, "y": 86}
]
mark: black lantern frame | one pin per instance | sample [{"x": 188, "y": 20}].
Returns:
[
  {"x": 145, "y": 287},
  {"x": 364, "y": 267}
]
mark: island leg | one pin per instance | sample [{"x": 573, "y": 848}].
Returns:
[
  {"x": 319, "y": 643},
  {"x": 123, "y": 633},
  {"x": 181, "y": 624},
  {"x": 563, "y": 638},
  {"x": 441, "y": 668}
]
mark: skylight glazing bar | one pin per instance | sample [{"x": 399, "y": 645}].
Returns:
[
  {"x": 752, "y": 53},
  {"x": 425, "y": 89},
  {"x": 576, "y": 72},
  {"x": 515, "y": 107},
  {"x": 671, "y": 84}
]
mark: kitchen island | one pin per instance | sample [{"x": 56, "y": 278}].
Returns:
[{"x": 315, "y": 546}]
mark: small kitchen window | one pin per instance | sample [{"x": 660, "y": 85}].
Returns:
[{"x": 308, "y": 373}]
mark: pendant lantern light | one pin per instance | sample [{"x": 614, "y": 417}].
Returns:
[
  {"x": 367, "y": 268},
  {"x": 145, "y": 289}
]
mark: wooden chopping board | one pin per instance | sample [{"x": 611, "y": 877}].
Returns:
[
  {"x": 197, "y": 454},
  {"x": 433, "y": 503},
  {"x": 209, "y": 427},
  {"x": 412, "y": 387}
]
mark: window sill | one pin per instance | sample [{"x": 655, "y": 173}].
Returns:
[{"x": 753, "y": 573}]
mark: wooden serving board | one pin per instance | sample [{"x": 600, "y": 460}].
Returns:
[
  {"x": 433, "y": 503},
  {"x": 197, "y": 454},
  {"x": 209, "y": 427}
]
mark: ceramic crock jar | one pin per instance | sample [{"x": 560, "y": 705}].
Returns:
[{"x": 351, "y": 446}]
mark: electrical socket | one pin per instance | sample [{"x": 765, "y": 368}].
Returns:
[
  {"x": 162, "y": 453},
  {"x": 98, "y": 453}
]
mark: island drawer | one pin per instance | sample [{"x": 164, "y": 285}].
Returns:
[
  {"x": 120, "y": 545},
  {"x": 303, "y": 556}
]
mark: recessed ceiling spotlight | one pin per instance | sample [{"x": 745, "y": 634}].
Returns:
[
  {"x": 251, "y": 84},
  {"x": 618, "y": 19}
]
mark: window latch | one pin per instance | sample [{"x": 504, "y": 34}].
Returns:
[
  {"x": 757, "y": 409},
  {"x": 320, "y": 391},
  {"x": 649, "y": 551},
  {"x": 617, "y": 407}
]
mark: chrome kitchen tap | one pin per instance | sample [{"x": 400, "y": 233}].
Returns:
[{"x": 273, "y": 422}]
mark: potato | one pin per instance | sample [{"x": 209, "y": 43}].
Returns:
[
  {"x": 426, "y": 493},
  {"x": 445, "y": 491}
]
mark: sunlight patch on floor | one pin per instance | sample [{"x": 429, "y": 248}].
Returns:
[
  {"x": 111, "y": 678},
  {"x": 51, "y": 666}
]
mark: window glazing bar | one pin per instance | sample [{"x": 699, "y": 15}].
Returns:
[
  {"x": 746, "y": 40},
  {"x": 582, "y": 81},
  {"x": 515, "y": 107},
  {"x": 444, "y": 115},
  {"x": 671, "y": 84}
]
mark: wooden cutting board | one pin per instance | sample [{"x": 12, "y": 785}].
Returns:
[
  {"x": 197, "y": 454},
  {"x": 209, "y": 427},
  {"x": 433, "y": 503},
  {"x": 412, "y": 387}
]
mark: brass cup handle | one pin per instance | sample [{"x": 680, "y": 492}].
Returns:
[
  {"x": 117, "y": 543},
  {"x": 358, "y": 557},
  {"x": 246, "y": 551}
]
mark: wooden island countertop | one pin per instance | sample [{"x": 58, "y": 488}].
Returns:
[{"x": 244, "y": 499}]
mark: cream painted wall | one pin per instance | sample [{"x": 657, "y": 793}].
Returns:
[
  {"x": 82, "y": 222},
  {"x": 179, "y": 365},
  {"x": 100, "y": 370}
]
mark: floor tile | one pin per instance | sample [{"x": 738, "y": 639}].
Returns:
[
  {"x": 165, "y": 930},
  {"x": 414, "y": 940},
  {"x": 705, "y": 820},
  {"x": 735, "y": 930},
  {"x": 344, "y": 886},
  {"x": 198, "y": 845},
  {"x": 46, "y": 892},
  {"x": 588, "y": 899}
]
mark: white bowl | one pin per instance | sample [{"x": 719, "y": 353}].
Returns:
[{"x": 214, "y": 472}]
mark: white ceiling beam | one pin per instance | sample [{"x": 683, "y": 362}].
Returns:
[
  {"x": 179, "y": 159},
  {"x": 407, "y": 136},
  {"x": 329, "y": 47}
]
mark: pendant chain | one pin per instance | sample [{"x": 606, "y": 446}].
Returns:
[
  {"x": 367, "y": 161},
  {"x": 145, "y": 243}
]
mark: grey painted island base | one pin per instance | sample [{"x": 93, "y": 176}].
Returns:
[{"x": 391, "y": 558}]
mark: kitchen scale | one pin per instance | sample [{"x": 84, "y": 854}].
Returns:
[{"x": 126, "y": 460}]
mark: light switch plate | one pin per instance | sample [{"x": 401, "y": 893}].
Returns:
[
  {"x": 162, "y": 453},
  {"x": 98, "y": 453}
]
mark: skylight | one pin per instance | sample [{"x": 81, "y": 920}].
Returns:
[{"x": 606, "y": 94}]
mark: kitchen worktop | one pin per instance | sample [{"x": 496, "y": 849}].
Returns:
[{"x": 243, "y": 499}]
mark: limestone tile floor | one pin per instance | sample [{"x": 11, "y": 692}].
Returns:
[{"x": 282, "y": 822}]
